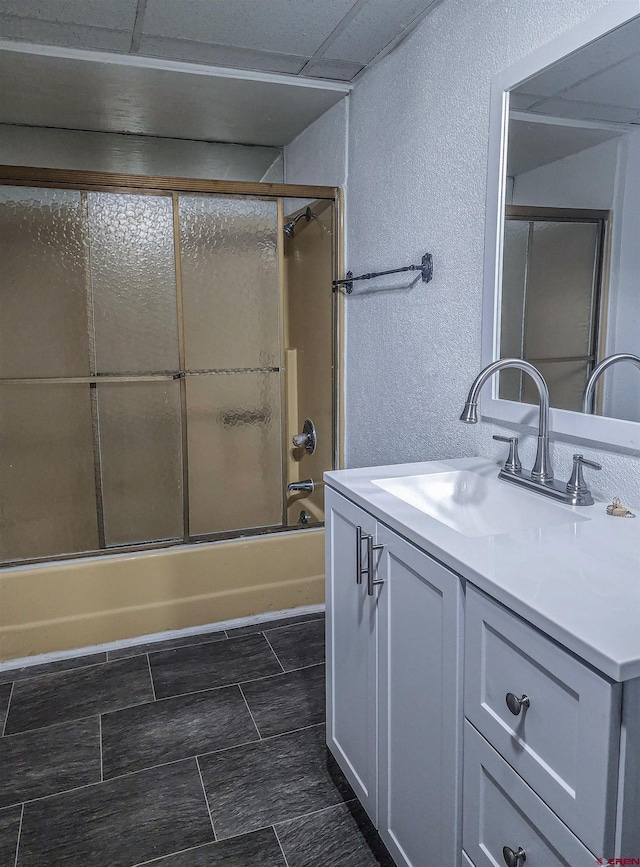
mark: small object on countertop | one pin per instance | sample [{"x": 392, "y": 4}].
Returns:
[{"x": 619, "y": 511}]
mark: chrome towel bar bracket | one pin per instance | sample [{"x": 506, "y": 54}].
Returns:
[{"x": 426, "y": 269}]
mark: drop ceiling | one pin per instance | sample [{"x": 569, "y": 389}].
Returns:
[
  {"x": 245, "y": 71},
  {"x": 600, "y": 82}
]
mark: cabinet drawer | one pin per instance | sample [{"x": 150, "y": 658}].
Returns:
[
  {"x": 564, "y": 744},
  {"x": 501, "y": 810}
]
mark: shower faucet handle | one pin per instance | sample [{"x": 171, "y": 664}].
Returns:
[
  {"x": 512, "y": 463},
  {"x": 308, "y": 439}
]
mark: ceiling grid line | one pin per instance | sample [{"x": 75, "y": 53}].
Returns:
[
  {"x": 136, "y": 36},
  {"x": 336, "y": 32}
]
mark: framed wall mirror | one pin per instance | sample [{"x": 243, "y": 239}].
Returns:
[{"x": 562, "y": 254}]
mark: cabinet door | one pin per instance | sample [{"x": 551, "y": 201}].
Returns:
[
  {"x": 420, "y": 612},
  {"x": 351, "y": 650}
]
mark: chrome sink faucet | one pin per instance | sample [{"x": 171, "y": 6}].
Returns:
[
  {"x": 542, "y": 471},
  {"x": 540, "y": 478},
  {"x": 587, "y": 400}
]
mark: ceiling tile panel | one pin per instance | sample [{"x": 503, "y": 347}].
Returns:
[
  {"x": 112, "y": 14},
  {"x": 618, "y": 85},
  {"x": 281, "y": 26},
  {"x": 219, "y": 55},
  {"x": 591, "y": 59},
  {"x": 373, "y": 28},
  {"x": 66, "y": 35},
  {"x": 332, "y": 69}
]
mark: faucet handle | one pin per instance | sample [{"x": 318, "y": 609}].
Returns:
[
  {"x": 576, "y": 484},
  {"x": 512, "y": 464}
]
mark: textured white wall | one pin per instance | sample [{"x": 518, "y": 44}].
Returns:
[
  {"x": 417, "y": 162},
  {"x": 318, "y": 155}
]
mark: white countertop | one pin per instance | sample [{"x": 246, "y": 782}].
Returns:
[{"x": 577, "y": 582}]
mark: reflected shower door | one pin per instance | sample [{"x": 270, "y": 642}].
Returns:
[
  {"x": 550, "y": 305},
  {"x": 231, "y": 313}
]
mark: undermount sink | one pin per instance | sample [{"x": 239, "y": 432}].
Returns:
[{"x": 475, "y": 505}]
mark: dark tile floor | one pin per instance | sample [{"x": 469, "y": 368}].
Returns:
[{"x": 193, "y": 752}]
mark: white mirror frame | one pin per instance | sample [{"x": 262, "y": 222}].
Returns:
[{"x": 576, "y": 425}]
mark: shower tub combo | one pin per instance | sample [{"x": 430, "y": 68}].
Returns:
[{"x": 161, "y": 343}]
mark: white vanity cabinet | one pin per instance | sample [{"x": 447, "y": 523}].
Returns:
[
  {"x": 540, "y": 765},
  {"x": 352, "y": 649},
  {"x": 552, "y": 718},
  {"x": 394, "y": 684}
]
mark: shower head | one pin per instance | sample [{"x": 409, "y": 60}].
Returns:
[{"x": 289, "y": 227}]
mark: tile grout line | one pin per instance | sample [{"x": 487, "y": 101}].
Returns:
[
  {"x": 78, "y": 719},
  {"x": 292, "y": 819},
  {"x": 153, "y": 767},
  {"x": 171, "y": 854},
  {"x": 206, "y": 800},
  {"x": 153, "y": 688},
  {"x": 280, "y": 673},
  {"x": 6, "y": 716},
  {"x": 281, "y": 847},
  {"x": 249, "y": 709},
  {"x": 274, "y": 653},
  {"x": 100, "y": 742},
  {"x": 76, "y": 668},
  {"x": 166, "y": 764},
  {"x": 317, "y": 812},
  {"x": 15, "y": 863}
]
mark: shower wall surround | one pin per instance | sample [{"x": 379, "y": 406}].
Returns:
[{"x": 417, "y": 165}]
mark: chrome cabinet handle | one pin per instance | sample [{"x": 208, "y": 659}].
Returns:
[
  {"x": 516, "y": 704},
  {"x": 513, "y": 859},
  {"x": 371, "y": 582},
  {"x": 359, "y": 569}
]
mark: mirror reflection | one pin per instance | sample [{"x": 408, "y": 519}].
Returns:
[{"x": 571, "y": 243}]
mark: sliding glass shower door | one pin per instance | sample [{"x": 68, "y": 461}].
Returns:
[
  {"x": 141, "y": 365},
  {"x": 231, "y": 308}
]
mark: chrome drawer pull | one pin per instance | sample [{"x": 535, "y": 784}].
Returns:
[
  {"x": 358, "y": 555},
  {"x": 513, "y": 859},
  {"x": 360, "y": 569},
  {"x": 516, "y": 704},
  {"x": 370, "y": 579}
]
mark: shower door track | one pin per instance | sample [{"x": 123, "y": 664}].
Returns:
[{"x": 28, "y": 176}]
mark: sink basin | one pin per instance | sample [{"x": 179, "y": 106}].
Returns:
[{"x": 474, "y": 505}]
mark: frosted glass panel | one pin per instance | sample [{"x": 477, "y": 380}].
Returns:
[
  {"x": 47, "y": 499},
  {"x": 235, "y": 460},
  {"x": 133, "y": 283},
  {"x": 141, "y": 461},
  {"x": 43, "y": 284},
  {"x": 229, "y": 282}
]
